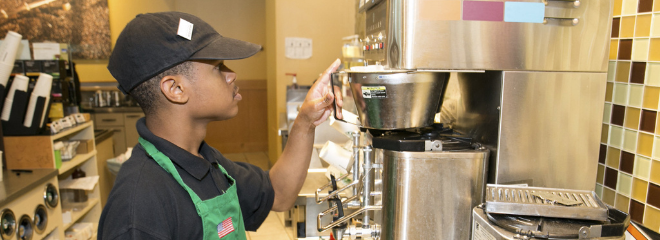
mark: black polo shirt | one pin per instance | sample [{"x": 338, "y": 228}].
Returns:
[{"x": 146, "y": 202}]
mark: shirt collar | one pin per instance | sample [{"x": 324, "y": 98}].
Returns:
[{"x": 194, "y": 165}]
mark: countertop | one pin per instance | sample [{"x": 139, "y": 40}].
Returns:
[
  {"x": 102, "y": 134},
  {"x": 114, "y": 110},
  {"x": 13, "y": 185}
]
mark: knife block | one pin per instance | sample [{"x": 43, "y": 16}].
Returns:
[{"x": 14, "y": 126}]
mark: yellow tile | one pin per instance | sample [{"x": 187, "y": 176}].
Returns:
[
  {"x": 617, "y": 7},
  {"x": 629, "y": 140},
  {"x": 600, "y": 175},
  {"x": 611, "y": 67},
  {"x": 643, "y": 25},
  {"x": 645, "y": 144},
  {"x": 632, "y": 118},
  {"x": 652, "y": 218},
  {"x": 613, "y": 156},
  {"x": 616, "y": 137},
  {"x": 607, "y": 113},
  {"x": 622, "y": 203},
  {"x": 604, "y": 133},
  {"x": 654, "y": 49},
  {"x": 622, "y": 72},
  {"x": 640, "y": 188},
  {"x": 652, "y": 73},
  {"x": 608, "y": 92},
  {"x": 656, "y": 5},
  {"x": 642, "y": 167},
  {"x": 655, "y": 31},
  {"x": 640, "y": 51},
  {"x": 608, "y": 196},
  {"x": 655, "y": 172},
  {"x": 629, "y": 7},
  {"x": 627, "y": 27},
  {"x": 651, "y": 97},
  {"x": 636, "y": 95},
  {"x": 614, "y": 48}
]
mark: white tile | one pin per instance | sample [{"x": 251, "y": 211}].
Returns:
[
  {"x": 640, "y": 49},
  {"x": 629, "y": 7}
]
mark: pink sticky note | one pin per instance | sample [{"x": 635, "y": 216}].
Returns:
[{"x": 483, "y": 11}]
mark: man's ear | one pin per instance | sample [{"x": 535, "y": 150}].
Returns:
[{"x": 175, "y": 89}]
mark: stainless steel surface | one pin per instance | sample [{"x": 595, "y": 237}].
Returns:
[
  {"x": 430, "y": 195},
  {"x": 40, "y": 219},
  {"x": 393, "y": 100},
  {"x": 483, "y": 229},
  {"x": 415, "y": 38},
  {"x": 51, "y": 196},
  {"x": 7, "y": 224},
  {"x": 543, "y": 128},
  {"x": 530, "y": 201},
  {"x": 367, "y": 184}
]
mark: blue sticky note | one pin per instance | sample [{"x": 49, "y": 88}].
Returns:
[{"x": 526, "y": 12}]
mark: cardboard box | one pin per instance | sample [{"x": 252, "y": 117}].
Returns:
[
  {"x": 29, "y": 152},
  {"x": 86, "y": 146}
]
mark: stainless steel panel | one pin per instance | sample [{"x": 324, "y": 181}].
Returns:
[
  {"x": 430, "y": 195},
  {"x": 545, "y": 202},
  {"x": 415, "y": 40},
  {"x": 550, "y": 129},
  {"x": 543, "y": 128}
]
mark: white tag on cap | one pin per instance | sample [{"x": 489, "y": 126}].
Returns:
[{"x": 185, "y": 29}]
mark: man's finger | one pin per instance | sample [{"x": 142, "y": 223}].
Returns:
[{"x": 325, "y": 78}]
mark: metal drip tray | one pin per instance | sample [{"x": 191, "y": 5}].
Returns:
[{"x": 545, "y": 202}]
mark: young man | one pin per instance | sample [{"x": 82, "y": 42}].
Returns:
[{"x": 175, "y": 186}]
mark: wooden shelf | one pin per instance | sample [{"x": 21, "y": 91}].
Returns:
[
  {"x": 71, "y": 130},
  {"x": 77, "y": 215},
  {"x": 77, "y": 160}
]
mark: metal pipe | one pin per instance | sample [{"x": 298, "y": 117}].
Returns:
[
  {"x": 356, "y": 159},
  {"x": 366, "y": 185},
  {"x": 343, "y": 219}
]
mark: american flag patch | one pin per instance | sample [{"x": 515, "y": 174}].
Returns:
[{"x": 225, "y": 227}]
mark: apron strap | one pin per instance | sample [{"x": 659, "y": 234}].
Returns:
[{"x": 167, "y": 164}]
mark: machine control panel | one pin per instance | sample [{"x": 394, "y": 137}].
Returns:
[{"x": 375, "y": 41}]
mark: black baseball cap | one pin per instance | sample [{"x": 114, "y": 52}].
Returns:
[{"x": 151, "y": 43}]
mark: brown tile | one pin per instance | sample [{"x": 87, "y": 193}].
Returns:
[
  {"x": 625, "y": 49},
  {"x": 622, "y": 72},
  {"x": 636, "y": 211},
  {"x": 637, "y": 73},
  {"x": 608, "y": 92},
  {"x": 615, "y": 27},
  {"x": 647, "y": 122},
  {"x": 645, "y": 6},
  {"x": 603, "y": 154},
  {"x": 627, "y": 162},
  {"x": 611, "y": 177},
  {"x": 618, "y": 114},
  {"x": 653, "y": 197}
]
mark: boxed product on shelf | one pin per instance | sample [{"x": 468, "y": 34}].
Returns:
[{"x": 80, "y": 231}]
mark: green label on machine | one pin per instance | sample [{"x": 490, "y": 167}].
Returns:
[{"x": 374, "y": 92}]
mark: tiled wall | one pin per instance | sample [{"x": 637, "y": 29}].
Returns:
[{"x": 629, "y": 162}]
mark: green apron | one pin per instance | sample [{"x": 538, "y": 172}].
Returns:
[{"x": 221, "y": 215}]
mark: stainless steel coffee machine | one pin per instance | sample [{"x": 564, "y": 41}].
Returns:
[{"x": 519, "y": 87}]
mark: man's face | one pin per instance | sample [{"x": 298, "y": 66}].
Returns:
[{"x": 215, "y": 95}]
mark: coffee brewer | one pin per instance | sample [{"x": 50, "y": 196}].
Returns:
[{"x": 519, "y": 87}]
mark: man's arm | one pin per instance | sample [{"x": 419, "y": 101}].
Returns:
[{"x": 289, "y": 172}]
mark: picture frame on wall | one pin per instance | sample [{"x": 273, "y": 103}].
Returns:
[{"x": 83, "y": 24}]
